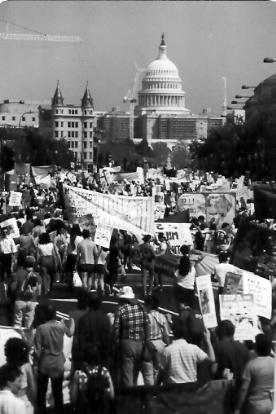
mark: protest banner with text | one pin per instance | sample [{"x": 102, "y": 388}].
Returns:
[{"x": 133, "y": 214}]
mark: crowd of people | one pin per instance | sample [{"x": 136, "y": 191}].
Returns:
[{"x": 110, "y": 350}]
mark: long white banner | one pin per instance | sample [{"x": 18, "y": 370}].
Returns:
[{"x": 134, "y": 214}]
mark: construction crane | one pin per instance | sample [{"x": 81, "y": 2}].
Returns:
[
  {"x": 35, "y": 35},
  {"x": 131, "y": 98}
]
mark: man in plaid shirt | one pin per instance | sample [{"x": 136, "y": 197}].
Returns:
[{"x": 131, "y": 332}]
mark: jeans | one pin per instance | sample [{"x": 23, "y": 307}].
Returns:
[
  {"x": 132, "y": 363},
  {"x": 24, "y": 312},
  {"x": 42, "y": 385}
]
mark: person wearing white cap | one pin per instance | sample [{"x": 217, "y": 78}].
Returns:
[{"x": 131, "y": 334}]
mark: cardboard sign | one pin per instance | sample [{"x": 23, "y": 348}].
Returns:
[
  {"x": 176, "y": 234},
  {"x": 206, "y": 300},
  {"x": 15, "y": 199},
  {"x": 261, "y": 290},
  {"x": 240, "y": 310},
  {"x": 103, "y": 235}
]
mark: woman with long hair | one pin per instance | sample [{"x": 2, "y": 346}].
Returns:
[{"x": 184, "y": 286}]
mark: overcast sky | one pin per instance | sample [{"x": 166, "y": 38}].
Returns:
[{"x": 206, "y": 41}]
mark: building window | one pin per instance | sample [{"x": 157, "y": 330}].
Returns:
[
  {"x": 76, "y": 144},
  {"x": 91, "y": 124},
  {"x": 13, "y": 118},
  {"x": 23, "y": 118},
  {"x": 61, "y": 124},
  {"x": 56, "y": 124},
  {"x": 56, "y": 111},
  {"x": 69, "y": 111},
  {"x": 91, "y": 144},
  {"x": 84, "y": 155},
  {"x": 69, "y": 134},
  {"x": 69, "y": 124},
  {"x": 76, "y": 111},
  {"x": 56, "y": 134},
  {"x": 33, "y": 119},
  {"x": 76, "y": 134},
  {"x": 3, "y": 118},
  {"x": 76, "y": 124},
  {"x": 85, "y": 134},
  {"x": 85, "y": 124},
  {"x": 85, "y": 145},
  {"x": 90, "y": 155},
  {"x": 61, "y": 134},
  {"x": 91, "y": 134}
]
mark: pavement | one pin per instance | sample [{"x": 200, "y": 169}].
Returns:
[{"x": 65, "y": 298}]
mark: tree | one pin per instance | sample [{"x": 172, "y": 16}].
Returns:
[
  {"x": 181, "y": 157},
  {"x": 160, "y": 153}
]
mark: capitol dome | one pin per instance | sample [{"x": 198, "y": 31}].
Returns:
[{"x": 162, "y": 86}]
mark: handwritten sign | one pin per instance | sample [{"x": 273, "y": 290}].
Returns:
[
  {"x": 103, "y": 235},
  {"x": 261, "y": 290}
]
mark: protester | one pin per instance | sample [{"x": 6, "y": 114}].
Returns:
[
  {"x": 159, "y": 331},
  {"x": 179, "y": 361},
  {"x": 71, "y": 252},
  {"x": 113, "y": 259},
  {"x": 100, "y": 269},
  {"x": 17, "y": 356},
  {"x": 94, "y": 328},
  {"x": 7, "y": 254},
  {"x": 184, "y": 285},
  {"x": 147, "y": 264},
  {"x": 48, "y": 261},
  {"x": 223, "y": 268},
  {"x": 92, "y": 387},
  {"x": 49, "y": 359},
  {"x": 258, "y": 380},
  {"x": 131, "y": 335},
  {"x": 231, "y": 355},
  {"x": 26, "y": 294},
  {"x": 10, "y": 384},
  {"x": 86, "y": 259}
]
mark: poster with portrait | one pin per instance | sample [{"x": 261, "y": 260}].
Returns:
[
  {"x": 240, "y": 309},
  {"x": 233, "y": 283},
  {"x": 12, "y": 227},
  {"x": 103, "y": 235},
  {"x": 193, "y": 202},
  {"x": 206, "y": 300},
  {"x": 221, "y": 207}
]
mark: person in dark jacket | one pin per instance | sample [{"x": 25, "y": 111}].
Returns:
[{"x": 94, "y": 328}]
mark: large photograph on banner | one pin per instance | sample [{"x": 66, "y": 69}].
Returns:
[{"x": 219, "y": 206}]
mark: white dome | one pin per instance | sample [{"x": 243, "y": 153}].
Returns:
[
  {"x": 164, "y": 65},
  {"x": 162, "y": 86}
]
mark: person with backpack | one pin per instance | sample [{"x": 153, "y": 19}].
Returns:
[
  {"x": 147, "y": 263},
  {"x": 92, "y": 389},
  {"x": 26, "y": 293}
]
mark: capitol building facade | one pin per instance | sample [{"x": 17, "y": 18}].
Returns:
[
  {"x": 162, "y": 90},
  {"x": 160, "y": 114}
]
